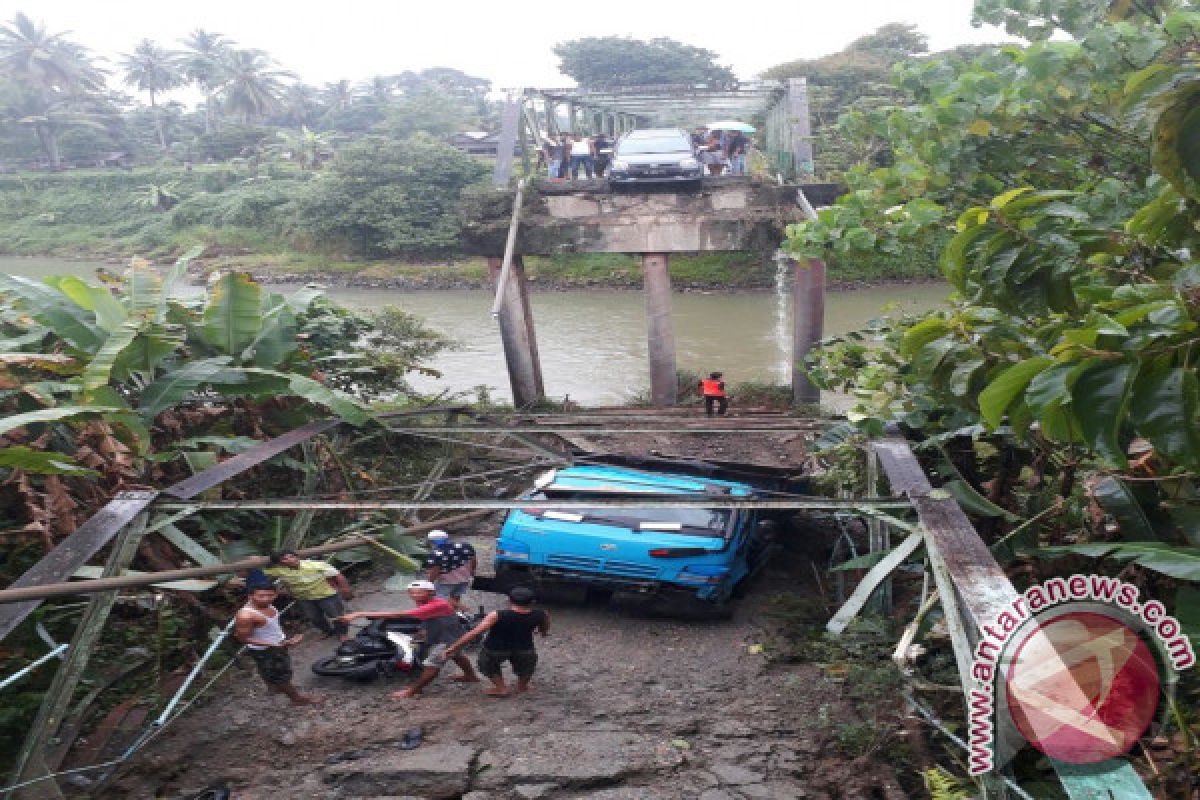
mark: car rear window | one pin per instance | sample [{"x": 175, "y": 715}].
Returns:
[
  {"x": 708, "y": 522},
  {"x": 667, "y": 144}
]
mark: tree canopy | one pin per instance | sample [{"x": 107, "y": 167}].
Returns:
[{"x": 606, "y": 61}]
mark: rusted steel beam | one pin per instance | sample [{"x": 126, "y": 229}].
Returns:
[
  {"x": 651, "y": 501},
  {"x": 540, "y": 428},
  {"x": 74, "y": 551},
  {"x": 973, "y": 590},
  {"x": 150, "y": 578},
  {"x": 214, "y": 476},
  {"x": 31, "y": 761}
]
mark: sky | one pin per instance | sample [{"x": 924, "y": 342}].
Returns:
[{"x": 510, "y": 44}]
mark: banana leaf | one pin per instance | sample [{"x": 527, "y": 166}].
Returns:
[
  {"x": 42, "y": 462},
  {"x": 58, "y": 414},
  {"x": 233, "y": 316},
  {"x": 173, "y": 387},
  {"x": 1182, "y": 563},
  {"x": 99, "y": 369}
]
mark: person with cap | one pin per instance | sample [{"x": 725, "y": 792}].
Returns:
[
  {"x": 509, "y": 638},
  {"x": 712, "y": 389},
  {"x": 317, "y": 587},
  {"x": 451, "y": 567},
  {"x": 440, "y": 628}
]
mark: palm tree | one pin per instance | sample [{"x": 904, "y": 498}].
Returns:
[
  {"x": 380, "y": 89},
  {"x": 153, "y": 69},
  {"x": 253, "y": 85},
  {"x": 338, "y": 96},
  {"x": 204, "y": 58},
  {"x": 301, "y": 104},
  {"x": 53, "y": 73}
]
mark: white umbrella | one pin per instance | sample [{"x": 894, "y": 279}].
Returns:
[{"x": 730, "y": 125}]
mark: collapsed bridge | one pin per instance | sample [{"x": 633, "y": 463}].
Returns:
[{"x": 726, "y": 214}]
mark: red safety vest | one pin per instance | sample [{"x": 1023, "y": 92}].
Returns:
[{"x": 712, "y": 388}]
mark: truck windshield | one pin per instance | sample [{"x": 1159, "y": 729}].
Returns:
[
  {"x": 668, "y": 144},
  {"x": 709, "y": 522}
]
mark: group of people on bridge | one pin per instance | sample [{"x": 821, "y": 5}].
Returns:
[{"x": 565, "y": 157}]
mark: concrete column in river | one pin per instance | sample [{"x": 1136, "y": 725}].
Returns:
[
  {"x": 659, "y": 332},
  {"x": 808, "y": 303},
  {"x": 517, "y": 335}
]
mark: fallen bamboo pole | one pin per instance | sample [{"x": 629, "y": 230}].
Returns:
[{"x": 149, "y": 578}]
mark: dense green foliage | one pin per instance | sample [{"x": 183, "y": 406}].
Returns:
[
  {"x": 382, "y": 197},
  {"x": 1067, "y": 174},
  {"x": 1057, "y": 396},
  {"x": 856, "y": 79},
  {"x": 600, "y": 61}
]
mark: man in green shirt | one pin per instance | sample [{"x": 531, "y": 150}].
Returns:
[{"x": 317, "y": 587}]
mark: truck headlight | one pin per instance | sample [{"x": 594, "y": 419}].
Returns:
[
  {"x": 620, "y": 166},
  {"x": 689, "y": 163}
]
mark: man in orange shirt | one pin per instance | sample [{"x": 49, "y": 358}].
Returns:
[{"x": 712, "y": 389}]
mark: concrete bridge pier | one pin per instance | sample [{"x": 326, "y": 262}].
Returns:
[
  {"x": 517, "y": 335},
  {"x": 660, "y": 335},
  {"x": 808, "y": 305}
]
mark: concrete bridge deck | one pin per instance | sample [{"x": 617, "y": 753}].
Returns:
[{"x": 723, "y": 214}]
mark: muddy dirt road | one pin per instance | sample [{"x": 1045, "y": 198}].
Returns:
[{"x": 622, "y": 707}]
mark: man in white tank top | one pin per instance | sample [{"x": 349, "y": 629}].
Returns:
[{"x": 257, "y": 626}]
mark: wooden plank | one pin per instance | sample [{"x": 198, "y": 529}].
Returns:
[
  {"x": 73, "y": 552},
  {"x": 213, "y": 476},
  {"x": 866, "y": 587},
  {"x": 31, "y": 762}
]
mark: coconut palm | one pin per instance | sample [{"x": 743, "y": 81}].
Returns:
[
  {"x": 338, "y": 96},
  {"x": 153, "y": 69},
  {"x": 52, "y": 73},
  {"x": 204, "y": 67},
  {"x": 301, "y": 104},
  {"x": 253, "y": 85},
  {"x": 380, "y": 89}
]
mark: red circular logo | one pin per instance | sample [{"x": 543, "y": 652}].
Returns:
[{"x": 1082, "y": 687}]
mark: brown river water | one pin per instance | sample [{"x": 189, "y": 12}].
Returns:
[{"x": 593, "y": 342}]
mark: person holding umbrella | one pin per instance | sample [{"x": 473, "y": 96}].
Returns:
[{"x": 734, "y": 143}]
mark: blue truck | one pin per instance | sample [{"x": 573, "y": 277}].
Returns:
[{"x": 698, "y": 555}]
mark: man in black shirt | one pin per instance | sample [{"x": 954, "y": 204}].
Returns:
[{"x": 509, "y": 638}]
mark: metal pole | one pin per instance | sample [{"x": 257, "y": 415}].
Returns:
[
  {"x": 151, "y": 578},
  {"x": 808, "y": 302},
  {"x": 660, "y": 335},
  {"x": 16, "y": 676},
  {"x": 31, "y": 760}
]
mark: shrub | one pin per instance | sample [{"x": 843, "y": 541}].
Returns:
[{"x": 387, "y": 198}]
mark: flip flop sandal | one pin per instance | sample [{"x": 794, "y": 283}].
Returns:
[{"x": 411, "y": 740}]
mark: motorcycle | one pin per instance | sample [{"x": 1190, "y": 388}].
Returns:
[{"x": 382, "y": 648}]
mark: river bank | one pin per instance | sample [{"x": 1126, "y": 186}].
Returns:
[{"x": 689, "y": 273}]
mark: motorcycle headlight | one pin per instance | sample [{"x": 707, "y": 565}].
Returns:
[
  {"x": 689, "y": 163},
  {"x": 620, "y": 166}
]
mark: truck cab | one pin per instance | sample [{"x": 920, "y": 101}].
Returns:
[{"x": 698, "y": 553}]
